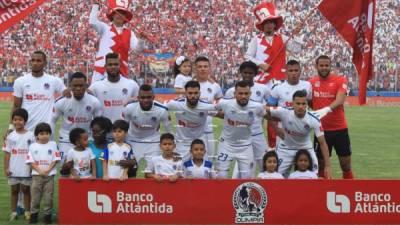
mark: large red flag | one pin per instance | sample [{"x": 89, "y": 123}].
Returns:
[
  {"x": 13, "y": 11},
  {"x": 355, "y": 22}
]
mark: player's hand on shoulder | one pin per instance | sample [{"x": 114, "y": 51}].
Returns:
[
  {"x": 323, "y": 112},
  {"x": 67, "y": 93}
]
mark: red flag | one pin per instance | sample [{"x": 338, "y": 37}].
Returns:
[
  {"x": 355, "y": 22},
  {"x": 13, "y": 11}
]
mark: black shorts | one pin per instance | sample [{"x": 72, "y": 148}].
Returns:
[{"x": 338, "y": 139}]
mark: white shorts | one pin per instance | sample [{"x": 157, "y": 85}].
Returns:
[
  {"x": 143, "y": 150},
  {"x": 64, "y": 148},
  {"x": 27, "y": 181},
  {"x": 210, "y": 142},
  {"x": 260, "y": 146},
  {"x": 242, "y": 154},
  {"x": 286, "y": 160}
]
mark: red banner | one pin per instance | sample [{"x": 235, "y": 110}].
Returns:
[
  {"x": 144, "y": 201},
  {"x": 355, "y": 21},
  {"x": 13, "y": 11}
]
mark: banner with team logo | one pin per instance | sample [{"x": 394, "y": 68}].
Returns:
[
  {"x": 13, "y": 11},
  {"x": 145, "y": 201}
]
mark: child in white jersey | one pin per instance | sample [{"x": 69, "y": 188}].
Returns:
[
  {"x": 166, "y": 166},
  {"x": 116, "y": 152},
  {"x": 197, "y": 166},
  {"x": 84, "y": 164},
  {"x": 303, "y": 166},
  {"x": 270, "y": 166},
  {"x": 42, "y": 157},
  {"x": 15, "y": 168},
  {"x": 182, "y": 71}
]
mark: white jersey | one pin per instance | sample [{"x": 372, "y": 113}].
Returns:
[
  {"x": 204, "y": 171},
  {"x": 191, "y": 122},
  {"x": 181, "y": 80},
  {"x": 282, "y": 94},
  {"x": 75, "y": 113},
  {"x": 43, "y": 155},
  {"x": 81, "y": 161},
  {"x": 17, "y": 145},
  {"x": 144, "y": 125},
  {"x": 297, "y": 130},
  {"x": 260, "y": 94},
  {"x": 268, "y": 175},
  {"x": 303, "y": 175},
  {"x": 38, "y": 96},
  {"x": 114, "y": 96},
  {"x": 209, "y": 92},
  {"x": 238, "y": 121},
  {"x": 164, "y": 167},
  {"x": 113, "y": 154}
]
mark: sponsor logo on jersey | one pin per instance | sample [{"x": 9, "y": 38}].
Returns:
[
  {"x": 88, "y": 108},
  {"x": 209, "y": 90},
  {"x": 249, "y": 200},
  {"x": 258, "y": 93},
  {"x": 49, "y": 151},
  {"x": 124, "y": 91}
]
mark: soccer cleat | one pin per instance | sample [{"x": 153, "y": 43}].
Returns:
[
  {"x": 27, "y": 215},
  {"x": 34, "y": 218},
  {"x": 20, "y": 211},
  {"x": 47, "y": 219},
  {"x": 13, "y": 216}
]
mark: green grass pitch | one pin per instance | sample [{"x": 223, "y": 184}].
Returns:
[{"x": 374, "y": 134}]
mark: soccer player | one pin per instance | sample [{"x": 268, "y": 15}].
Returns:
[
  {"x": 115, "y": 37},
  {"x": 191, "y": 118},
  {"x": 36, "y": 92},
  {"x": 42, "y": 157},
  {"x": 114, "y": 91},
  {"x": 235, "y": 142},
  {"x": 197, "y": 166},
  {"x": 145, "y": 117},
  {"x": 329, "y": 93},
  {"x": 297, "y": 123},
  {"x": 166, "y": 165},
  {"x": 260, "y": 94},
  {"x": 209, "y": 92},
  {"x": 15, "y": 168},
  {"x": 77, "y": 111},
  {"x": 117, "y": 151}
]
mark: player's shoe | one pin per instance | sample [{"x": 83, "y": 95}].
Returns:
[
  {"x": 13, "y": 216},
  {"x": 20, "y": 210},
  {"x": 34, "y": 218}
]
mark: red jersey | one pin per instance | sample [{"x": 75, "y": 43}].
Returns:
[{"x": 323, "y": 94}]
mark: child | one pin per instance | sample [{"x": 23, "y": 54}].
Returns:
[
  {"x": 270, "y": 166},
  {"x": 167, "y": 165},
  {"x": 82, "y": 157},
  {"x": 100, "y": 127},
  {"x": 116, "y": 152},
  {"x": 197, "y": 167},
  {"x": 303, "y": 166},
  {"x": 42, "y": 157},
  {"x": 15, "y": 168},
  {"x": 182, "y": 71}
]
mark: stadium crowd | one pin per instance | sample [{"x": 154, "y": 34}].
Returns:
[{"x": 193, "y": 28}]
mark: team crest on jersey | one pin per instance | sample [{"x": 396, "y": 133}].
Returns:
[
  {"x": 154, "y": 119},
  {"x": 27, "y": 86},
  {"x": 29, "y": 141},
  {"x": 124, "y": 91},
  {"x": 46, "y": 86},
  {"x": 209, "y": 90},
  {"x": 307, "y": 126},
  {"x": 49, "y": 151},
  {"x": 174, "y": 167},
  {"x": 201, "y": 114},
  {"x": 104, "y": 92},
  {"x": 251, "y": 114},
  {"x": 258, "y": 93},
  {"x": 249, "y": 201},
  {"x": 88, "y": 108},
  {"x": 125, "y": 154},
  {"x": 36, "y": 152}
]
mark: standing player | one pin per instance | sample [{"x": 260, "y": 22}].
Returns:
[
  {"x": 115, "y": 37},
  {"x": 191, "y": 116},
  {"x": 209, "y": 92},
  {"x": 145, "y": 117},
  {"x": 268, "y": 50},
  {"x": 298, "y": 123},
  {"x": 329, "y": 94},
  {"x": 259, "y": 93},
  {"x": 235, "y": 142},
  {"x": 77, "y": 111},
  {"x": 115, "y": 91}
]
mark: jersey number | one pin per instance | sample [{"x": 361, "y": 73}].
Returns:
[{"x": 222, "y": 157}]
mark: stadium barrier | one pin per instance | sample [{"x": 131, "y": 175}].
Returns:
[{"x": 145, "y": 201}]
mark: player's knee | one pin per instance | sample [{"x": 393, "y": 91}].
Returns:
[
  {"x": 15, "y": 189},
  {"x": 26, "y": 190}
]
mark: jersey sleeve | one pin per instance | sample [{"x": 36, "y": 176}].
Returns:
[
  {"x": 94, "y": 22},
  {"x": 342, "y": 84},
  {"x": 316, "y": 125},
  {"x": 150, "y": 167},
  {"x": 70, "y": 156},
  {"x": 18, "y": 88},
  {"x": 218, "y": 92},
  {"x": 60, "y": 87},
  {"x": 274, "y": 97},
  {"x": 104, "y": 155},
  {"x": 221, "y": 105},
  {"x": 260, "y": 110},
  {"x": 251, "y": 52},
  {"x": 179, "y": 82},
  {"x": 309, "y": 91},
  {"x": 135, "y": 91},
  {"x": 125, "y": 113},
  {"x": 166, "y": 121},
  {"x": 229, "y": 93},
  {"x": 7, "y": 147},
  {"x": 172, "y": 105},
  {"x": 136, "y": 44},
  {"x": 278, "y": 112},
  {"x": 29, "y": 157},
  {"x": 91, "y": 154}
]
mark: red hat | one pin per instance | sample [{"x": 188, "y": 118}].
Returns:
[
  {"x": 115, "y": 5},
  {"x": 267, "y": 11}
]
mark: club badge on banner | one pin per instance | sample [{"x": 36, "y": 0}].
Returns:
[{"x": 142, "y": 201}]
